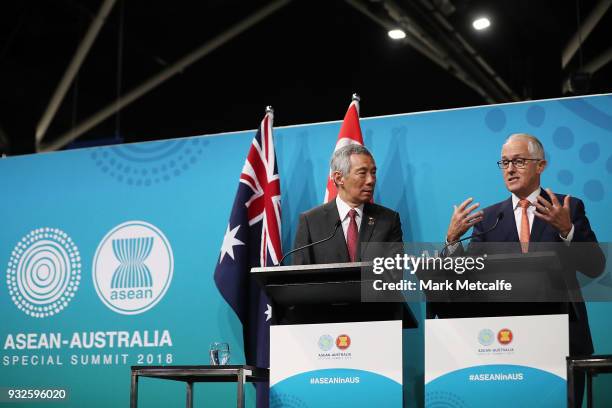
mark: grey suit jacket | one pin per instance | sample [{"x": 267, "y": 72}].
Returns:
[{"x": 379, "y": 224}]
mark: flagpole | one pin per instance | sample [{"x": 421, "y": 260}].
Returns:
[
  {"x": 269, "y": 109},
  {"x": 357, "y": 99}
]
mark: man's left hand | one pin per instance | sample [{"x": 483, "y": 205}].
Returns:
[{"x": 554, "y": 213}]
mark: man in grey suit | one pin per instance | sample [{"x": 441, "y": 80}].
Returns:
[{"x": 353, "y": 171}]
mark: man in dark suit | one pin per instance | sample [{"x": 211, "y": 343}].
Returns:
[
  {"x": 353, "y": 171},
  {"x": 532, "y": 214},
  {"x": 352, "y": 221}
]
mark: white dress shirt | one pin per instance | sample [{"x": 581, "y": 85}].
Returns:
[
  {"x": 518, "y": 213},
  {"x": 343, "y": 210}
]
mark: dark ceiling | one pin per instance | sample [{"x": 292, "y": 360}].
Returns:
[{"x": 305, "y": 59}]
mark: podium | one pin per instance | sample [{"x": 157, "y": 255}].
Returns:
[
  {"x": 508, "y": 345},
  {"x": 328, "y": 346},
  {"x": 486, "y": 361},
  {"x": 325, "y": 293}
]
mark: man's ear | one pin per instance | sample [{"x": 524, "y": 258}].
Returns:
[
  {"x": 542, "y": 166},
  {"x": 337, "y": 178}
]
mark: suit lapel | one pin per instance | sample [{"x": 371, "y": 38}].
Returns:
[
  {"x": 368, "y": 223},
  {"x": 509, "y": 229},
  {"x": 538, "y": 227},
  {"x": 338, "y": 242}
]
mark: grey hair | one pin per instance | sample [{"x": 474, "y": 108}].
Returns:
[
  {"x": 535, "y": 147},
  {"x": 341, "y": 159}
]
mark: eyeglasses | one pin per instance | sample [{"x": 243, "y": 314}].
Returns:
[{"x": 519, "y": 163}]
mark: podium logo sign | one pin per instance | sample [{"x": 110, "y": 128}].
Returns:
[
  {"x": 504, "y": 336},
  {"x": 326, "y": 342},
  {"x": 132, "y": 267},
  {"x": 44, "y": 272},
  {"x": 486, "y": 337},
  {"x": 343, "y": 341}
]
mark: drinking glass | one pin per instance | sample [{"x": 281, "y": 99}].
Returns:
[{"x": 219, "y": 353}]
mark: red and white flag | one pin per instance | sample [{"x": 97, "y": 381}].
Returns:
[{"x": 350, "y": 133}]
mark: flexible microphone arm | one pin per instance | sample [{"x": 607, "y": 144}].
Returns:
[{"x": 338, "y": 223}]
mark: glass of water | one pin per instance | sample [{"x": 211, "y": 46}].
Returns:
[{"x": 219, "y": 353}]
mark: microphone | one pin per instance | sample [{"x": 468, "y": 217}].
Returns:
[
  {"x": 500, "y": 216},
  {"x": 338, "y": 223}
]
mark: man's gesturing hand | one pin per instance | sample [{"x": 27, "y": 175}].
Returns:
[
  {"x": 554, "y": 213},
  {"x": 463, "y": 219}
]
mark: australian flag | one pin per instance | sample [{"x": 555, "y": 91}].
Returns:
[{"x": 253, "y": 238}]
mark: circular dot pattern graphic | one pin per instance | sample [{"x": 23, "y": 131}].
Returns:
[
  {"x": 147, "y": 164},
  {"x": 44, "y": 272},
  {"x": 586, "y": 155},
  {"x": 535, "y": 115},
  {"x": 589, "y": 152},
  {"x": 495, "y": 119},
  {"x": 594, "y": 190},
  {"x": 563, "y": 138}
]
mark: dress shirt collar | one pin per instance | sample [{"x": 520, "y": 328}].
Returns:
[
  {"x": 533, "y": 198},
  {"x": 344, "y": 208}
]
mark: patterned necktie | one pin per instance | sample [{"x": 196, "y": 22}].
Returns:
[
  {"x": 352, "y": 236},
  {"x": 524, "y": 238}
]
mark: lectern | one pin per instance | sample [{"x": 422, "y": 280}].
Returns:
[
  {"x": 506, "y": 345},
  {"x": 326, "y": 293},
  {"x": 326, "y": 345}
]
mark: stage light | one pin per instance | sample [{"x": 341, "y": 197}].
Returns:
[
  {"x": 481, "y": 23},
  {"x": 397, "y": 34}
]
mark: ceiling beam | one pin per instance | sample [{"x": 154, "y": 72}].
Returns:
[
  {"x": 461, "y": 52},
  {"x": 162, "y": 76},
  {"x": 416, "y": 39},
  {"x": 73, "y": 69},
  {"x": 598, "y": 62},
  {"x": 584, "y": 30},
  {"x": 428, "y": 32}
]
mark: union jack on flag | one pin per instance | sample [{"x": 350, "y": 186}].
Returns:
[
  {"x": 253, "y": 238},
  {"x": 260, "y": 174}
]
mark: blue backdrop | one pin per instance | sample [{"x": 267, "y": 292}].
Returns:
[{"x": 57, "y": 209}]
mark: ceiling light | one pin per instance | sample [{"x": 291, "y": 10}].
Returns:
[
  {"x": 397, "y": 34},
  {"x": 481, "y": 23}
]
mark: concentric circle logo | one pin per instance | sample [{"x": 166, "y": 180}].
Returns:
[
  {"x": 343, "y": 341},
  {"x": 505, "y": 336},
  {"x": 486, "y": 337},
  {"x": 148, "y": 164},
  {"x": 44, "y": 272},
  {"x": 132, "y": 267},
  {"x": 326, "y": 342}
]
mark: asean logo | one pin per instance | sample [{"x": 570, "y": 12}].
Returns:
[
  {"x": 504, "y": 336},
  {"x": 486, "y": 337},
  {"x": 132, "y": 268},
  {"x": 44, "y": 272},
  {"x": 326, "y": 342},
  {"x": 343, "y": 341}
]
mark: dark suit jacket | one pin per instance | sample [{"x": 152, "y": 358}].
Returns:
[
  {"x": 379, "y": 224},
  {"x": 587, "y": 259}
]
